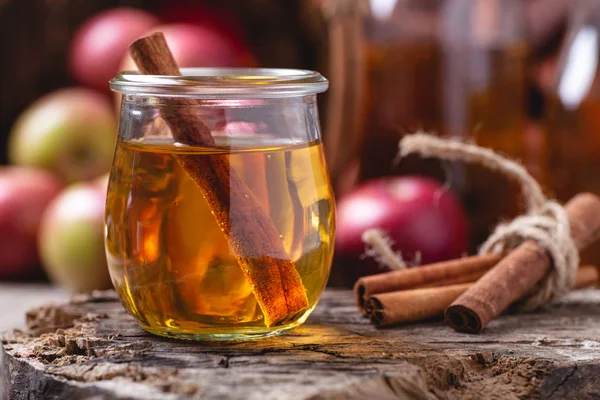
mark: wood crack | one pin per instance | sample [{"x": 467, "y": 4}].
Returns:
[{"x": 563, "y": 382}]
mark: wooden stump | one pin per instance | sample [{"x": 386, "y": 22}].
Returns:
[{"x": 90, "y": 348}]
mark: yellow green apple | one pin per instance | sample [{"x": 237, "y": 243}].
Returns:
[
  {"x": 71, "y": 132},
  {"x": 71, "y": 238}
]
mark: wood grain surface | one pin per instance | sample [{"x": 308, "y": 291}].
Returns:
[{"x": 92, "y": 349}]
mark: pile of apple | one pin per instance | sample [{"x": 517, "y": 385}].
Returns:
[{"x": 52, "y": 197}]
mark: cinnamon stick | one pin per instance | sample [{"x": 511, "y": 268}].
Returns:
[
  {"x": 387, "y": 309},
  {"x": 253, "y": 237},
  {"x": 515, "y": 275},
  {"x": 468, "y": 278},
  {"x": 461, "y": 270},
  {"x": 587, "y": 276}
]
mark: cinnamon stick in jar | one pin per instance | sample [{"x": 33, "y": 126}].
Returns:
[
  {"x": 259, "y": 251},
  {"x": 520, "y": 271},
  {"x": 457, "y": 271},
  {"x": 393, "y": 308}
]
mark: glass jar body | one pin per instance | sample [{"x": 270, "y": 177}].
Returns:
[{"x": 201, "y": 239}]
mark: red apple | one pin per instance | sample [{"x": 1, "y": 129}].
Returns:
[
  {"x": 194, "y": 46},
  {"x": 212, "y": 16},
  {"x": 418, "y": 214},
  {"x": 24, "y": 195},
  {"x": 70, "y": 132},
  {"x": 71, "y": 239},
  {"x": 99, "y": 44}
]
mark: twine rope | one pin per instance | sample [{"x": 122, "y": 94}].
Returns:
[
  {"x": 379, "y": 246},
  {"x": 544, "y": 221}
]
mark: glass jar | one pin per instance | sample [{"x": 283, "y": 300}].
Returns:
[
  {"x": 450, "y": 67},
  {"x": 572, "y": 114},
  {"x": 220, "y": 214}
]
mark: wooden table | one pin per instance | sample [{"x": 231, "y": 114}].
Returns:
[
  {"x": 16, "y": 298},
  {"x": 553, "y": 354}
]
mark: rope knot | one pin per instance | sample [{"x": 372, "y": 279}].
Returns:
[{"x": 549, "y": 226}]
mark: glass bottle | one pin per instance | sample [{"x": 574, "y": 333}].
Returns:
[
  {"x": 455, "y": 68},
  {"x": 572, "y": 115}
]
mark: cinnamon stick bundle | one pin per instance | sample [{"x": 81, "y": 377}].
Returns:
[
  {"x": 253, "y": 237},
  {"x": 520, "y": 271},
  {"x": 387, "y": 309},
  {"x": 467, "y": 269}
]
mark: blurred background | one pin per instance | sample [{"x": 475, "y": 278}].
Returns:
[{"x": 518, "y": 76}]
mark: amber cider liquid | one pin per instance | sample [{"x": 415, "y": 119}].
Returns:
[
  {"x": 573, "y": 141},
  {"x": 172, "y": 265},
  {"x": 475, "y": 93}
]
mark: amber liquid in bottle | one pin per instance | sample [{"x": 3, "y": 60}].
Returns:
[
  {"x": 170, "y": 261},
  {"x": 573, "y": 135},
  {"x": 472, "y": 93}
]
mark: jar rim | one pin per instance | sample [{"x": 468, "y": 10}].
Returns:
[{"x": 222, "y": 82}]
